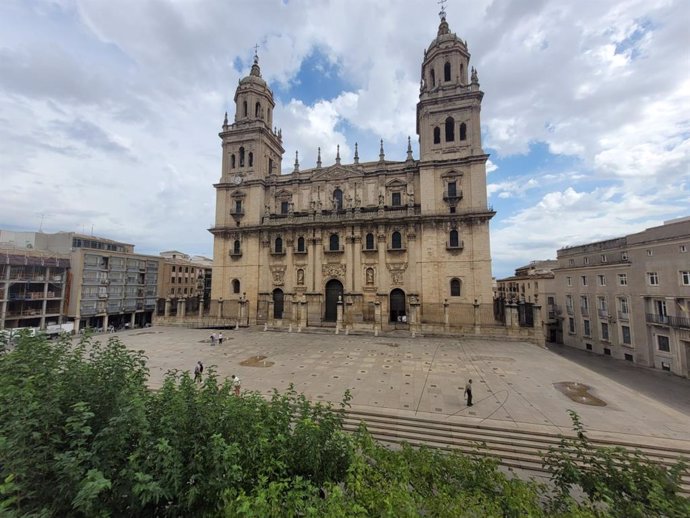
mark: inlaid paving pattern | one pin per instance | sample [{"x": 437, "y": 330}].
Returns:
[{"x": 513, "y": 382}]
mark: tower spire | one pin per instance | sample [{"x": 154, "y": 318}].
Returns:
[
  {"x": 318, "y": 159},
  {"x": 356, "y": 154},
  {"x": 382, "y": 155},
  {"x": 296, "y": 162},
  {"x": 409, "y": 149},
  {"x": 442, "y": 13},
  {"x": 337, "y": 156}
]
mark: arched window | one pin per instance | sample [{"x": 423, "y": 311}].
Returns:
[
  {"x": 258, "y": 110},
  {"x": 241, "y": 157},
  {"x": 450, "y": 129},
  {"x": 279, "y": 245},
  {"x": 245, "y": 108},
  {"x": 446, "y": 72},
  {"x": 268, "y": 115},
  {"x": 396, "y": 241},
  {"x": 463, "y": 131},
  {"x": 236, "y": 247},
  {"x": 455, "y": 287},
  {"x": 462, "y": 73},
  {"x": 300, "y": 244},
  {"x": 232, "y": 161},
  {"x": 432, "y": 75},
  {"x": 437, "y": 135},
  {"x": 270, "y": 166},
  {"x": 235, "y": 286},
  {"x": 251, "y": 159},
  {"x": 453, "y": 240},
  {"x": 370, "y": 241},
  {"x": 334, "y": 242},
  {"x": 338, "y": 199}
]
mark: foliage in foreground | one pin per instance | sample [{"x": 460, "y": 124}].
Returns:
[{"x": 82, "y": 436}]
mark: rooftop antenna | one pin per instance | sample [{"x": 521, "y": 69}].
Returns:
[{"x": 442, "y": 13}]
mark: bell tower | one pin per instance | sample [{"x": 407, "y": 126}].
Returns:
[
  {"x": 448, "y": 122},
  {"x": 251, "y": 148}
]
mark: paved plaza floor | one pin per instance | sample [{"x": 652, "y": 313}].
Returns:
[{"x": 514, "y": 382}]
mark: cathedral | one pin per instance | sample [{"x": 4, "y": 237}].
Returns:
[{"x": 368, "y": 245}]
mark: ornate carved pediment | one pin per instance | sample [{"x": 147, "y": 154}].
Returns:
[
  {"x": 336, "y": 172},
  {"x": 397, "y": 271},
  {"x": 395, "y": 182},
  {"x": 333, "y": 270},
  {"x": 278, "y": 274}
]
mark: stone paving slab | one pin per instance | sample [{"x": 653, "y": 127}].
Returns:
[{"x": 513, "y": 381}]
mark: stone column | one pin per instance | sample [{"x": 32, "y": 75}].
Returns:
[
  {"x": 132, "y": 320},
  {"x": 302, "y": 314},
  {"x": 77, "y": 322},
  {"x": 339, "y": 318},
  {"x": 377, "y": 318},
  {"x": 269, "y": 317},
  {"x": 182, "y": 307},
  {"x": 220, "y": 307},
  {"x": 477, "y": 318},
  {"x": 244, "y": 310},
  {"x": 512, "y": 320},
  {"x": 105, "y": 323},
  {"x": 446, "y": 316},
  {"x": 415, "y": 325},
  {"x": 539, "y": 337},
  {"x": 168, "y": 303},
  {"x": 200, "y": 311}
]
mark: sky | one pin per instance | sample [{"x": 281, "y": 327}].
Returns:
[{"x": 110, "y": 111}]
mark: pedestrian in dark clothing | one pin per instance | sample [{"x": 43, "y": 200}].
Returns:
[
  {"x": 220, "y": 339},
  {"x": 468, "y": 393},
  {"x": 198, "y": 371}
]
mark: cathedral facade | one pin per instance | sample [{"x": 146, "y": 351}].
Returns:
[{"x": 374, "y": 245}]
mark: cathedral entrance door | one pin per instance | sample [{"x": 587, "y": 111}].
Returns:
[
  {"x": 334, "y": 289},
  {"x": 277, "y": 304},
  {"x": 397, "y": 305}
]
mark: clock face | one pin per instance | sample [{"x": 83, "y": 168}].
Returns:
[{"x": 237, "y": 180}]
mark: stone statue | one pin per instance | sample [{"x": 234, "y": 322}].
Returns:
[
  {"x": 370, "y": 276},
  {"x": 300, "y": 277},
  {"x": 381, "y": 200}
]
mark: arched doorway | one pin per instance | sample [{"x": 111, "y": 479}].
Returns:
[
  {"x": 397, "y": 306},
  {"x": 277, "y": 304},
  {"x": 334, "y": 289}
]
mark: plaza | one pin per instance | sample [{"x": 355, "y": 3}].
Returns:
[{"x": 424, "y": 377}]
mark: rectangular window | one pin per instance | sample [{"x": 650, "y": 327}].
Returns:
[
  {"x": 172, "y": 280},
  {"x": 650, "y": 253},
  {"x": 569, "y": 281},
  {"x": 622, "y": 279},
  {"x": 587, "y": 329},
  {"x": 584, "y": 280},
  {"x": 284, "y": 206},
  {"x": 624, "y": 256},
  {"x": 685, "y": 278},
  {"x": 604, "y": 259},
  {"x": 607, "y": 351},
  {"x": 584, "y": 303},
  {"x": 569, "y": 302},
  {"x": 683, "y": 249},
  {"x": 173, "y": 268},
  {"x": 625, "y": 335},
  {"x": 601, "y": 279},
  {"x": 585, "y": 260},
  {"x": 663, "y": 343},
  {"x": 623, "y": 305},
  {"x": 653, "y": 278},
  {"x": 604, "y": 331},
  {"x": 238, "y": 206},
  {"x": 452, "y": 189},
  {"x": 628, "y": 357},
  {"x": 588, "y": 347},
  {"x": 571, "y": 262},
  {"x": 602, "y": 304},
  {"x": 550, "y": 300},
  {"x": 571, "y": 325},
  {"x": 396, "y": 199}
]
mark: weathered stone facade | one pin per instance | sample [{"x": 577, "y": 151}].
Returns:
[{"x": 375, "y": 245}]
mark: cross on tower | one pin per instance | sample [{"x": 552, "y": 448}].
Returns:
[
  {"x": 442, "y": 3},
  {"x": 256, "y": 51}
]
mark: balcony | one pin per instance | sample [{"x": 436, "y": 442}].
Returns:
[
  {"x": 603, "y": 313},
  {"x": 278, "y": 252},
  {"x": 570, "y": 310},
  {"x": 672, "y": 321},
  {"x": 452, "y": 197},
  {"x": 459, "y": 246},
  {"x": 236, "y": 253},
  {"x": 683, "y": 322},
  {"x": 328, "y": 250},
  {"x": 653, "y": 318},
  {"x": 584, "y": 311},
  {"x": 623, "y": 316}
]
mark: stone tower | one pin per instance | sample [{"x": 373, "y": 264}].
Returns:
[{"x": 452, "y": 165}]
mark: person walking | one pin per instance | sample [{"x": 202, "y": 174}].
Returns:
[
  {"x": 220, "y": 338},
  {"x": 468, "y": 392},
  {"x": 236, "y": 384},
  {"x": 213, "y": 339},
  {"x": 198, "y": 371}
]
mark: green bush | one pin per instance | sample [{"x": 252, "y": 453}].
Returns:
[{"x": 81, "y": 435}]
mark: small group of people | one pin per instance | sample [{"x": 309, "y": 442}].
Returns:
[
  {"x": 235, "y": 380},
  {"x": 217, "y": 337}
]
